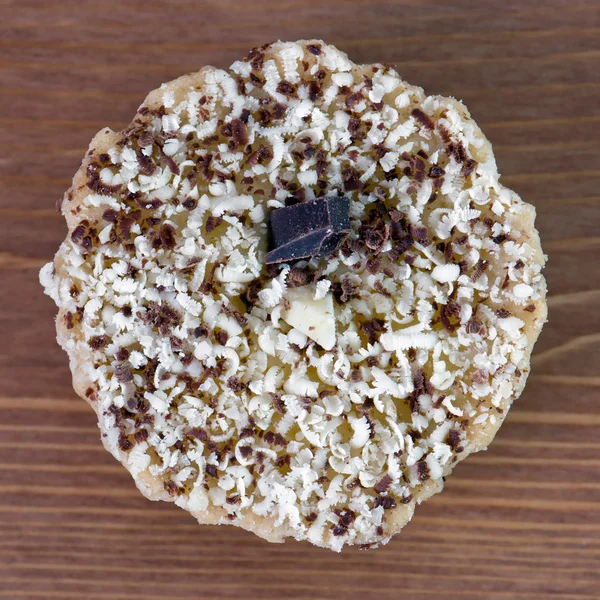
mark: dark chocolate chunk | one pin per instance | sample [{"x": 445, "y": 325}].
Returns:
[{"x": 307, "y": 229}]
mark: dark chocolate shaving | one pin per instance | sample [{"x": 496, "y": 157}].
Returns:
[
  {"x": 344, "y": 290},
  {"x": 239, "y": 132},
  {"x": 479, "y": 269},
  {"x": 383, "y": 484},
  {"x": 422, "y": 118},
  {"x": 436, "y": 171},
  {"x": 298, "y": 277},
  {"x": 123, "y": 373},
  {"x": 386, "y": 501},
  {"x": 167, "y": 236},
  {"x": 419, "y": 234},
  {"x": 98, "y": 341}
]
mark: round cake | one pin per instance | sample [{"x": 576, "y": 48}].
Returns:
[{"x": 296, "y": 294}]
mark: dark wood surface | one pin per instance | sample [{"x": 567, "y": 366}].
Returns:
[{"x": 521, "y": 521}]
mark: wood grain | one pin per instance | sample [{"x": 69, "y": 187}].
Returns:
[{"x": 521, "y": 521}]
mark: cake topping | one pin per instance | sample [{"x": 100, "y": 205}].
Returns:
[
  {"x": 308, "y": 229},
  {"x": 322, "y": 398}
]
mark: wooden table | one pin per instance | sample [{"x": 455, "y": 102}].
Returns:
[{"x": 521, "y": 521}]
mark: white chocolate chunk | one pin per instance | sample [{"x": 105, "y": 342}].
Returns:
[{"x": 314, "y": 318}]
